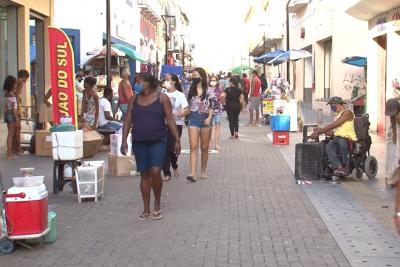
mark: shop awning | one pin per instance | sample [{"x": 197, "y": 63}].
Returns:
[
  {"x": 129, "y": 52},
  {"x": 355, "y": 61},
  {"x": 368, "y": 9},
  {"x": 290, "y": 55},
  {"x": 268, "y": 56}
]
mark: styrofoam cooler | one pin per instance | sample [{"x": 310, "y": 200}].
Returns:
[
  {"x": 27, "y": 215},
  {"x": 67, "y": 145},
  {"x": 115, "y": 144}
]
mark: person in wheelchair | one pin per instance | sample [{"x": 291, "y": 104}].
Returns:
[{"x": 343, "y": 132}]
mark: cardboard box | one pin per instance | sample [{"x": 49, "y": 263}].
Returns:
[
  {"x": 43, "y": 144},
  {"x": 67, "y": 145},
  {"x": 92, "y": 141},
  {"x": 115, "y": 144},
  {"x": 121, "y": 165},
  {"x": 45, "y": 113}
]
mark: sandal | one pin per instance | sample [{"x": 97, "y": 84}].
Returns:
[
  {"x": 191, "y": 179},
  {"x": 167, "y": 178},
  {"x": 143, "y": 216},
  {"x": 157, "y": 215}
]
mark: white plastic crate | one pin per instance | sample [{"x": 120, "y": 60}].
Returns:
[{"x": 90, "y": 180}]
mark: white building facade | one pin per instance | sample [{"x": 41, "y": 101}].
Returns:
[{"x": 324, "y": 29}]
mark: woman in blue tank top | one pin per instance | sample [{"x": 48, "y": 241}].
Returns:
[{"x": 149, "y": 114}]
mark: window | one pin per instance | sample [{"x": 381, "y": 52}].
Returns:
[{"x": 327, "y": 68}]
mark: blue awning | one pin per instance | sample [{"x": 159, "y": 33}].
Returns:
[
  {"x": 268, "y": 56},
  {"x": 355, "y": 61}
]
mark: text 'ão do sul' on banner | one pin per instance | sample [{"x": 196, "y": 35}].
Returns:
[{"x": 62, "y": 76}]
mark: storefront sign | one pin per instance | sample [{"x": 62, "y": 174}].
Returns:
[{"x": 62, "y": 76}]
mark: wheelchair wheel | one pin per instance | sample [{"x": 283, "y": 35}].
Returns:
[
  {"x": 371, "y": 167},
  {"x": 357, "y": 174}
]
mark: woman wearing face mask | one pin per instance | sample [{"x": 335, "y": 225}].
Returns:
[
  {"x": 200, "y": 121},
  {"x": 180, "y": 109},
  {"x": 216, "y": 93},
  {"x": 149, "y": 114}
]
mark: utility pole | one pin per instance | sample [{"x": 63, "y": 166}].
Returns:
[
  {"x": 166, "y": 36},
  {"x": 183, "y": 52},
  {"x": 264, "y": 50},
  {"x": 108, "y": 45}
]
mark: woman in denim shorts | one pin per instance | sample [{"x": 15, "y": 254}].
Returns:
[
  {"x": 215, "y": 92},
  {"x": 11, "y": 116},
  {"x": 200, "y": 122}
]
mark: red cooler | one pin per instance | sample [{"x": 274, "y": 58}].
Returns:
[{"x": 26, "y": 210}]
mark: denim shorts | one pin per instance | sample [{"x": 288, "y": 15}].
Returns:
[
  {"x": 196, "y": 120},
  {"x": 149, "y": 154},
  {"x": 9, "y": 117},
  {"x": 217, "y": 119}
]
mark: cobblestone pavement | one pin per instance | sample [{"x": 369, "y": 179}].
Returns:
[{"x": 248, "y": 213}]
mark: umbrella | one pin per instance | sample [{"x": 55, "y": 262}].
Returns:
[
  {"x": 356, "y": 61},
  {"x": 240, "y": 69},
  {"x": 290, "y": 55},
  {"x": 268, "y": 56},
  {"x": 131, "y": 53}
]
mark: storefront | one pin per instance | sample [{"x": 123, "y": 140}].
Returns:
[
  {"x": 23, "y": 40},
  {"x": 383, "y": 56}
]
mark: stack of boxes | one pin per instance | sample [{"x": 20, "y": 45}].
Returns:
[
  {"x": 118, "y": 164},
  {"x": 280, "y": 126}
]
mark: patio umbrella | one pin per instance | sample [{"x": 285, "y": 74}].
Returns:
[
  {"x": 240, "y": 69},
  {"x": 290, "y": 55},
  {"x": 131, "y": 53},
  {"x": 268, "y": 56},
  {"x": 355, "y": 61}
]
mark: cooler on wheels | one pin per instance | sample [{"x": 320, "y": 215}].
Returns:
[{"x": 24, "y": 212}]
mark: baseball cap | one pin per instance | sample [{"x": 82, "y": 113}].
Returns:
[
  {"x": 392, "y": 107},
  {"x": 335, "y": 100}
]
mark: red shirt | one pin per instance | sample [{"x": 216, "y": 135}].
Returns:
[
  {"x": 256, "y": 87},
  {"x": 246, "y": 85},
  {"x": 124, "y": 98}
]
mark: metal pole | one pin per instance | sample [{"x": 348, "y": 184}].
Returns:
[
  {"x": 183, "y": 54},
  {"x": 264, "y": 50},
  {"x": 287, "y": 40},
  {"x": 166, "y": 40},
  {"x": 108, "y": 47}
]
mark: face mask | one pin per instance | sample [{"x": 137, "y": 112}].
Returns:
[
  {"x": 213, "y": 83},
  {"x": 334, "y": 108},
  {"x": 196, "y": 80},
  {"x": 138, "y": 88}
]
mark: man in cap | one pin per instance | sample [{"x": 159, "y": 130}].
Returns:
[{"x": 343, "y": 131}]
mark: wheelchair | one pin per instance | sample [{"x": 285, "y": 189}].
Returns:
[{"x": 359, "y": 161}]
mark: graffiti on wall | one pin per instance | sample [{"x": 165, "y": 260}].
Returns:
[{"x": 354, "y": 83}]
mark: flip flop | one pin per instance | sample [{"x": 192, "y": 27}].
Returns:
[
  {"x": 191, "y": 179},
  {"x": 157, "y": 215},
  {"x": 143, "y": 216}
]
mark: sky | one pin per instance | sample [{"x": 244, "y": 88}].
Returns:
[{"x": 217, "y": 32}]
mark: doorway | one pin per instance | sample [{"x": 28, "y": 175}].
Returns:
[
  {"x": 382, "y": 67},
  {"x": 308, "y": 82},
  {"x": 37, "y": 61}
]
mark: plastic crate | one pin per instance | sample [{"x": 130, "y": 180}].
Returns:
[
  {"x": 90, "y": 180},
  {"x": 280, "y": 123},
  {"x": 280, "y": 138},
  {"x": 308, "y": 161}
]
